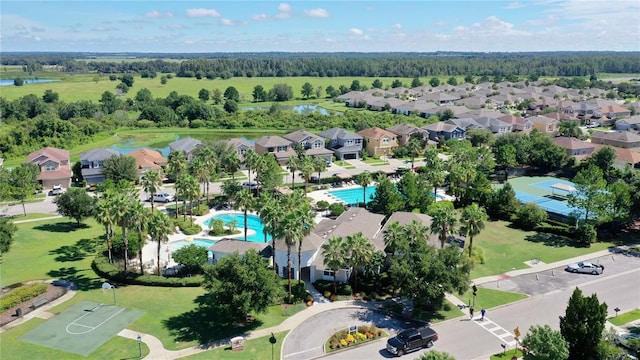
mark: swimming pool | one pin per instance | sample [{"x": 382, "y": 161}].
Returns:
[
  {"x": 175, "y": 245},
  {"x": 253, "y": 223},
  {"x": 353, "y": 196}
]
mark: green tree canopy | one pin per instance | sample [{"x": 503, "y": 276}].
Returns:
[
  {"x": 583, "y": 324},
  {"x": 589, "y": 196},
  {"x": 75, "y": 203},
  {"x": 231, "y": 93},
  {"x": 120, "y": 167},
  {"x": 544, "y": 343},
  {"x": 192, "y": 257},
  {"x": 7, "y": 231}
]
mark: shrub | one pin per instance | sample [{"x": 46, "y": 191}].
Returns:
[
  {"x": 323, "y": 286},
  {"x": 343, "y": 338},
  {"x": 529, "y": 216},
  {"x": 103, "y": 268},
  {"x": 187, "y": 227},
  {"x": 22, "y": 294},
  {"x": 117, "y": 245}
]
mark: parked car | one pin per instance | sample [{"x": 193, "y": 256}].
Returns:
[
  {"x": 250, "y": 185},
  {"x": 586, "y": 268},
  {"x": 624, "y": 338},
  {"x": 56, "y": 190},
  {"x": 163, "y": 197},
  {"x": 411, "y": 340}
]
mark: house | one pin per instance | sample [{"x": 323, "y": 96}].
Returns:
[
  {"x": 240, "y": 145},
  {"x": 55, "y": 168},
  {"x": 147, "y": 159},
  {"x": 465, "y": 123},
  {"x": 421, "y": 108},
  {"x": 379, "y": 142},
  {"x": 545, "y": 125},
  {"x": 312, "y": 144},
  {"x": 280, "y": 147},
  {"x": 407, "y": 131},
  {"x": 614, "y": 111},
  {"x": 226, "y": 247},
  {"x": 440, "y": 97},
  {"x": 186, "y": 146},
  {"x": 497, "y": 127},
  {"x": 629, "y": 123},
  {"x": 577, "y": 148},
  {"x": 475, "y": 102},
  {"x": 344, "y": 144},
  {"x": 446, "y": 131},
  {"x": 583, "y": 110},
  {"x": 518, "y": 124},
  {"x": 91, "y": 164},
  {"x": 405, "y": 218},
  {"x": 619, "y": 139},
  {"x": 350, "y": 222}
]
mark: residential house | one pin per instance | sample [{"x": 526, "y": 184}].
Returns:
[
  {"x": 351, "y": 222},
  {"x": 583, "y": 110},
  {"x": 614, "y": 111},
  {"x": 379, "y": 142},
  {"x": 344, "y": 144},
  {"x": 475, "y": 102},
  {"x": 440, "y": 97},
  {"x": 383, "y": 103},
  {"x": 186, "y": 146},
  {"x": 458, "y": 111},
  {"x": 147, "y": 159},
  {"x": 226, "y": 247},
  {"x": 312, "y": 144},
  {"x": 518, "y": 124},
  {"x": 407, "y": 131},
  {"x": 497, "y": 127},
  {"x": 446, "y": 131},
  {"x": 280, "y": 147},
  {"x": 421, "y": 108},
  {"x": 405, "y": 218},
  {"x": 577, "y": 148},
  {"x": 55, "y": 167},
  {"x": 240, "y": 145},
  {"x": 465, "y": 123},
  {"x": 477, "y": 113},
  {"x": 619, "y": 139},
  {"x": 545, "y": 125},
  {"x": 92, "y": 163},
  {"x": 629, "y": 123}
]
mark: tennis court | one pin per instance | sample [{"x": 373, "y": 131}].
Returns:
[
  {"x": 548, "y": 192},
  {"x": 82, "y": 328}
]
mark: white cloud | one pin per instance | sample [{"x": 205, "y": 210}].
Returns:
[
  {"x": 440, "y": 23},
  {"x": 355, "y": 31},
  {"x": 227, "y": 22},
  {"x": 202, "y": 12},
  {"x": 260, "y": 17},
  {"x": 173, "y": 27},
  {"x": 317, "y": 13},
  {"x": 397, "y": 26},
  {"x": 155, "y": 14},
  {"x": 284, "y": 7},
  {"x": 515, "y": 5}
]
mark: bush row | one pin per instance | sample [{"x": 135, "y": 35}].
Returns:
[
  {"x": 21, "y": 294},
  {"x": 343, "y": 338},
  {"x": 187, "y": 227},
  {"x": 324, "y": 285},
  {"x": 103, "y": 268}
]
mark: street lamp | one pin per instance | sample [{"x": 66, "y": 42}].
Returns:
[
  {"x": 139, "y": 339},
  {"x": 272, "y": 340}
]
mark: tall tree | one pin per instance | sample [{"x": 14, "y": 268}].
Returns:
[
  {"x": 434, "y": 168},
  {"x": 358, "y": 250},
  {"x": 544, "y": 343},
  {"x": 570, "y": 129},
  {"x": 7, "y": 231},
  {"x": 251, "y": 159},
  {"x": 121, "y": 208},
  {"x": 23, "y": 183},
  {"x": 75, "y": 203},
  {"x": 589, "y": 196},
  {"x": 387, "y": 199},
  {"x": 160, "y": 227},
  {"x": 104, "y": 216},
  {"x": 506, "y": 158},
  {"x": 120, "y": 167},
  {"x": 443, "y": 220},
  {"x": 416, "y": 148},
  {"x": 334, "y": 257},
  {"x": 293, "y": 164},
  {"x": 319, "y": 165},
  {"x": 139, "y": 221},
  {"x": 582, "y": 325},
  {"x": 151, "y": 182},
  {"x": 473, "y": 222},
  {"x": 246, "y": 201},
  {"x": 364, "y": 179},
  {"x": 307, "y": 90},
  {"x": 306, "y": 170}
]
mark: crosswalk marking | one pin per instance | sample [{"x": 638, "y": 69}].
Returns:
[{"x": 496, "y": 330}]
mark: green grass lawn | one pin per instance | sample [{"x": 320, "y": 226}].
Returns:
[
  {"x": 255, "y": 349},
  {"x": 507, "y": 355},
  {"x": 506, "y": 248},
  {"x": 30, "y": 216},
  {"x": 345, "y": 164},
  {"x": 490, "y": 298},
  {"x": 625, "y": 318}
]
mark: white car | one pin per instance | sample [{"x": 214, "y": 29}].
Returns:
[
  {"x": 624, "y": 338},
  {"x": 57, "y": 190},
  {"x": 163, "y": 197},
  {"x": 585, "y": 268},
  {"x": 250, "y": 185}
]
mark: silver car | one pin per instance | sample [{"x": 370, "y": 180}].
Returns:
[{"x": 586, "y": 268}]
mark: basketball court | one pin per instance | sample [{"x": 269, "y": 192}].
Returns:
[{"x": 82, "y": 328}]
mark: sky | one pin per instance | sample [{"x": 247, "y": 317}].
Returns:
[{"x": 319, "y": 26}]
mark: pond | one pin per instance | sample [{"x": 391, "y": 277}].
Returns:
[
  {"x": 301, "y": 109},
  {"x": 126, "y": 147},
  {"x": 7, "y": 82}
]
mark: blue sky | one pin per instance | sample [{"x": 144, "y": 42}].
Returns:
[{"x": 319, "y": 26}]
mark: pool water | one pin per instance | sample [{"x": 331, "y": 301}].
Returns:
[
  {"x": 253, "y": 223},
  {"x": 353, "y": 196},
  {"x": 175, "y": 245}
]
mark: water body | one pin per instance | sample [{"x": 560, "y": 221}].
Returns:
[{"x": 7, "y": 82}]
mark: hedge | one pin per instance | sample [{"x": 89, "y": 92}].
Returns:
[
  {"x": 324, "y": 285},
  {"x": 103, "y": 268},
  {"x": 22, "y": 294},
  {"x": 187, "y": 227}
]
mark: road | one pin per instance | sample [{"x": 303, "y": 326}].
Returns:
[{"x": 467, "y": 340}]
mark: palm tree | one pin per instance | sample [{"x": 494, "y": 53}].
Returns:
[
  {"x": 176, "y": 165},
  {"x": 333, "y": 254},
  {"x": 359, "y": 252},
  {"x": 306, "y": 170},
  {"x": 416, "y": 233},
  {"x": 210, "y": 162},
  {"x": 271, "y": 214},
  {"x": 231, "y": 163},
  {"x": 394, "y": 237},
  {"x": 229, "y": 189},
  {"x": 434, "y": 168},
  {"x": 159, "y": 230},
  {"x": 415, "y": 148},
  {"x": 245, "y": 201},
  {"x": 103, "y": 215},
  {"x": 570, "y": 129},
  {"x": 151, "y": 182},
  {"x": 199, "y": 171},
  {"x": 319, "y": 165},
  {"x": 443, "y": 221},
  {"x": 251, "y": 159},
  {"x": 139, "y": 217},
  {"x": 121, "y": 212},
  {"x": 364, "y": 179},
  {"x": 473, "y": 219},
  {"x": 189, "y": 189},
  {"x": 291, "y": 231},
  {"x": 306, "y": 219},
  {"x": 293, "y": 164}
]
